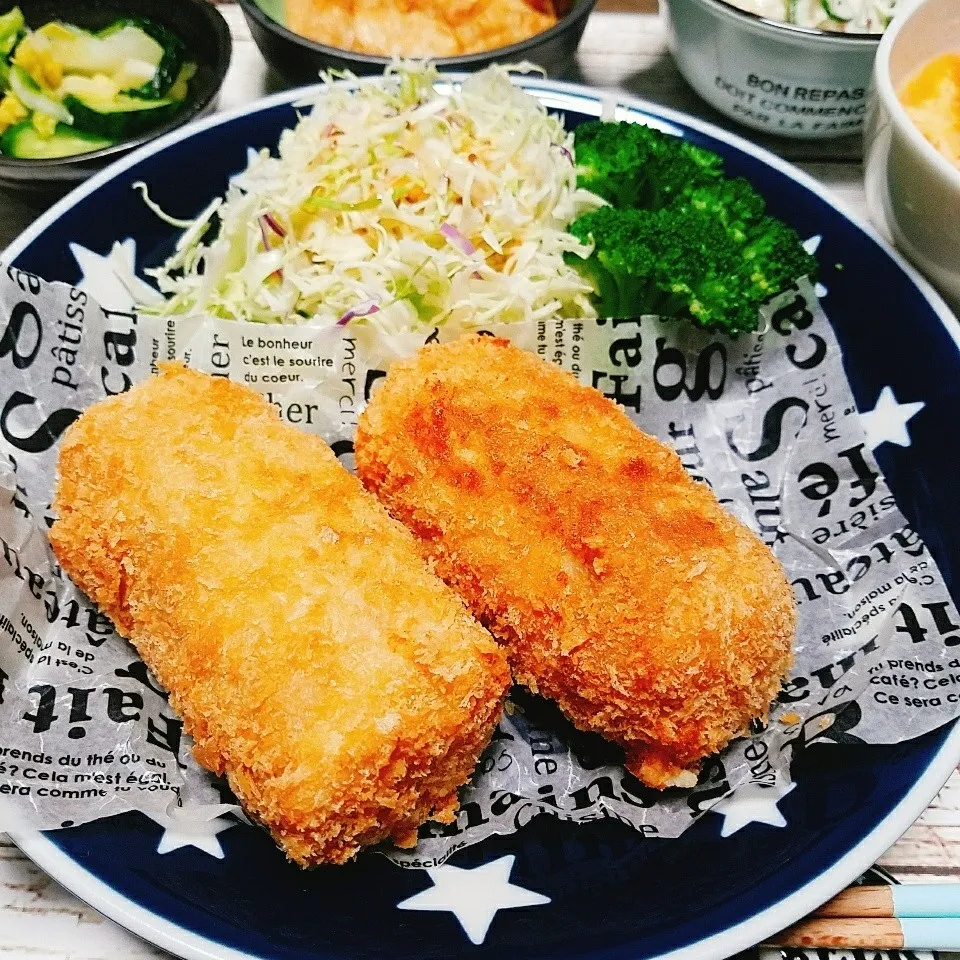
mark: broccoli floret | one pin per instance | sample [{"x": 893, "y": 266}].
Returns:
[
  {"x": 733, "y": 202},
  {"x": 681, "y": 239},
  {"x": 686, "y": 261},
  {"x": 632, "y": 165},
  {"x": 773, "y": 256}
]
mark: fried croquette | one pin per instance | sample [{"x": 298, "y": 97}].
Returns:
[
  {"x": 620, "y": 587},
  {"x": 343, "y": 690}
]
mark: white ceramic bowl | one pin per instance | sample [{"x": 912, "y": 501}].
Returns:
[
  {"x": 913, "y": 193},
  {"x": 772, "y": 76}
]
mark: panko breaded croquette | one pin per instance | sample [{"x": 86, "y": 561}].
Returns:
[
  {"x": 620, "y": 587},
  {"x": 343, "y": 690}
]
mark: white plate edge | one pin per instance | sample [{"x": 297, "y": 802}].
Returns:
[{"x": 744, "y": 935}]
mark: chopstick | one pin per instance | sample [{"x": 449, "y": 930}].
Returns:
[
  {"x": 907, "y": 917},
  {"x": 903, "y": 900},
  {"x": 908, "y": 933}
]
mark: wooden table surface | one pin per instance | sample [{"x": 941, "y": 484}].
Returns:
[{"x": 623, "y": 49}]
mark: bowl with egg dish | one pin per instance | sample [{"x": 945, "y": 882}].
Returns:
[{"x": 912, "y": 166}]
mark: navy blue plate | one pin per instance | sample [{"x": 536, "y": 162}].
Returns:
[{"x": 597, "y": 891}]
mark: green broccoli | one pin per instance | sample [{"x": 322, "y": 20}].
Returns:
[
  {"x": 773, "y": 257},
  {"x": 690, "y": 260},
  {"x": 632, "y": 165},
  {"x": 733, "y": 202},
  {"x": 681, "y": 239}
]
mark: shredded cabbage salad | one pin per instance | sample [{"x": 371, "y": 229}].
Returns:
[{"x": 397, "y": 203}]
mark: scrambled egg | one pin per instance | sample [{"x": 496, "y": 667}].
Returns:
[
  {"x": 34, "y": 55},
  {"x": 932, "y": 99},
  {"x": 44, "y": 124},
  {"x": 419, "y": 27},
  {"x": 11, "y": 111}
]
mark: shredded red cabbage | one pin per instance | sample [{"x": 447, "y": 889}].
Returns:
[
  {"x": 361, "y": 310},
  {"x": 274, "y": 225},
  {"x": 457, "y": 239}
]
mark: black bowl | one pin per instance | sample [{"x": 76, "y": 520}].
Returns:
[
  {"x": 196, "y": 22},
  {"x": 300, "y": 60}
]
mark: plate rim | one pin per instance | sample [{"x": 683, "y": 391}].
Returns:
[
  {"x": 170, "y": 935},
  {"x": 744, "y": 935}
]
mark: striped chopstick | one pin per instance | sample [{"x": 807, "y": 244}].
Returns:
[{"x": 919, "y": 916}]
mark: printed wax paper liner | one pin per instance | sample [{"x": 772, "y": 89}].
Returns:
[{"x": 767, "y": 420}]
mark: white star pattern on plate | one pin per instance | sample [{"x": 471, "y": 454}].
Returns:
[
  {"x": 111, "y": 279},
  {"x": 811, "y": 245},
  {"x": 887, "y": 421},
  {"x": 752, "y": 803},
  {"x": 184, "y": 828},
  {"x": 474, "y": 896}
]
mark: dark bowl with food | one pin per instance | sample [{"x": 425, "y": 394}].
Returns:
[
  {"x": 195, "y": 46},
  {"x": 300, "y": 59}
]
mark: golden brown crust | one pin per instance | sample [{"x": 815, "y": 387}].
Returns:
[
  {"x": 620, "y": 586},
  {"x": 343, "y": 690}
]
